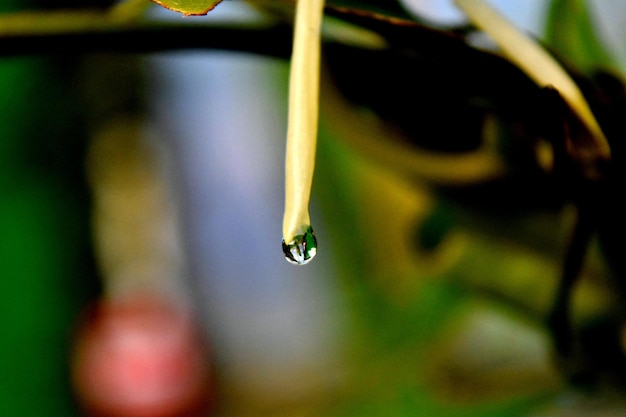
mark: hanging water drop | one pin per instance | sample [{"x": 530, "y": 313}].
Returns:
[{"x": 302, "y": 248}]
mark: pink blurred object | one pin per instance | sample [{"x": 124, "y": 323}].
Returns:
[{"x": 141, "y": 356}]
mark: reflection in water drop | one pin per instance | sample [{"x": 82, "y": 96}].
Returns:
[{"x": 302, "y": 248}]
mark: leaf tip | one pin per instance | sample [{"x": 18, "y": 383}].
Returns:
[{"x": 188, "y": 8}]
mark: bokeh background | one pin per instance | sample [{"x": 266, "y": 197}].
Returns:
[{"x": 140, "y": 208}]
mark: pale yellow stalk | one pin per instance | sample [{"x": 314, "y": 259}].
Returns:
[
  {"x": 303, "y": 117},
  {"x": 536, "y": 63}
]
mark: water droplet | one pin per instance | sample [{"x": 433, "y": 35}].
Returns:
[{"x": 302, "y": 248}]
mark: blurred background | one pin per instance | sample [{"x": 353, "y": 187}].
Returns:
[{"x": 141, "y": 273}]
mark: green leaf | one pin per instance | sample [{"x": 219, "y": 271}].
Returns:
[
  {"x": 570, "y": 31},
  {"x": 189, "y": 7},
  {"x": 202, "y": 7}
]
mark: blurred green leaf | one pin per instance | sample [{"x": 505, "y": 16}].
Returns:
[
  {"x": 46, "y": 270},
  {"x": 189, "y": 7},
  {"x": 570, "y": 31}
]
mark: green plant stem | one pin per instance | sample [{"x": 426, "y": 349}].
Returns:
[
  {"x": 63, "y": 21},
  {"x": 129, "y": 10}
]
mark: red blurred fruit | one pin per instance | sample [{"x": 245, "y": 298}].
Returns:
[{"x": 141, "y": 357}]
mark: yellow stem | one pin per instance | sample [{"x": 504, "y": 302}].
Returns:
[{"x": 303, "y": 117}]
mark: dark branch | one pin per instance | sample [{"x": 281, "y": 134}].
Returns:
[{"x": 274, "y": 41}]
